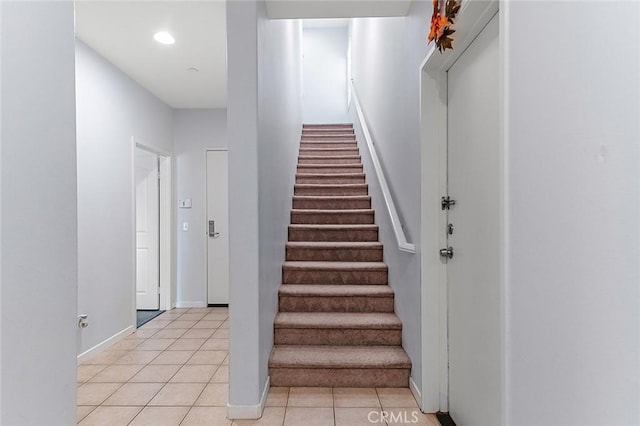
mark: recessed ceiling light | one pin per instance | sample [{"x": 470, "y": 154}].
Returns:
[
  {"x": 164, "y": 37},
  {"x": 193, "y": 69}
]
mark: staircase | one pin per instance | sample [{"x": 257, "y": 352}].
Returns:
[{"x": 336, "y": 324}]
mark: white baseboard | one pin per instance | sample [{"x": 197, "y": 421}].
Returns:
[
  {"x": 415, "y": 391},
  {"x": 191, "y": 304},
  {"x": 249, "y": 411},
  {"x": 88, "y": 354}
]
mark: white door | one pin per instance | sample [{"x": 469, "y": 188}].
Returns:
[
  {"x": 147, "y": 230},
  {"x": 473, "y": 272},
  {"x": 217, "y": 229}
]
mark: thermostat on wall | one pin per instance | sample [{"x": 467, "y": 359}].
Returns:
[{"x": 185, "y": 204}]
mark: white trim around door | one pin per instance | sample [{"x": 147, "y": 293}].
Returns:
[
  {"x": 167, "y": 258},
  {"x": 472, "y": 19}
]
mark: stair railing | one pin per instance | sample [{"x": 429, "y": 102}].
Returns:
[{"x": 403, "y": 244}]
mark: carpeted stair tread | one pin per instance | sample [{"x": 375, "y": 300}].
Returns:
[
  {"x": 334, "y": 272},
  {"x": 335, "y": 298},
  {"x": 329, "y": 135},
  {"x": 344, "y": 175},
  {"x": 345, "y": 216},
  {"x": 329, "y": 159},
  {"x": 319, "y": 211},
  {"x": 333, "y": 232},
  {"x": 329, "y": 152},
  {"x": 332, "y": 197},
  {"x": 332, "y": 290},
  {"x": 356, "y": 158},
  {"x": 326, "y": 131},
  {"x": 326, "y": 125},
  {"x": 360, "y": 245},
  {"x": 331, "y": 140},
  {"x": 314, "y": 151},
  {"x": 330, "y": 166},
  {"x": 338, "y": 320},
  {"x": 335, "y": 202},
  {"x": 335, "y": 178},
  {"x": 333, "y": 266},
  {"x": 328, "y": 144},
  {"x": 330, "y": 186},
  {"x": 387, "y": 357},
  {"x": 332, "y": 226},
  {"x": 337, "y": 251},
  {"x": 330, "y": 147}
]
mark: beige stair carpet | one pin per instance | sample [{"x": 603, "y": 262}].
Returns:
[{"x": 336, "y": 324}]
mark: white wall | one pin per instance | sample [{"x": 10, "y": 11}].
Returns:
[
  {"x": 385, "y": 58},
  {"x": 325, "y": 75},
  {"x": 38, "y": 242},
  {"x": 194, "y": 131},
  {"x": 244, "y": 265},
  {"x": 572, "y": 330},
  {"x": 573, "y": 208},
  {"x": 263, "y": 128},
  {"x": 280, "y": 127},
  {"x": 111, "y": 109}
]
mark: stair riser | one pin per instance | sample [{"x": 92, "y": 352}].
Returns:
[
  {"x": 331, "y": 145},
  {"x": 348, "y": 160},
  {"x": 328, "y": 152},
  {"x": 335, "y": 304},
  {"x": 331, "y": 190},
  {"x": 332, "y": 218},
  {"x": 341, "y": 377},
  {"x": 331, "y": 204},
  {"x": 332, "y": 235},
  {"x": 335, "y": 255},
  {"x": 337, "y": 337},
  {"x": 328, "y": 126},
  {"x": 327, "y": 135},
  {"x": 313, "y": 132},
  {"x": 329, "y": 179},
  {"x": 337, "y": 136},
  {"x": 334, "y": 277},
  {"x": 329, "y": 170}
]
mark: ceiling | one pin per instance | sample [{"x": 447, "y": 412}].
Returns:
[
  {"x": 289, "y": 9},
  {"x": 122, "y": 32}
]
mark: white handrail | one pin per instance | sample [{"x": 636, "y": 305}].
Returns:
[{"x": 403, "y": 244}]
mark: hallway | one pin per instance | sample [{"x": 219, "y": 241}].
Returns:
[{"x": 174, "y": 371}]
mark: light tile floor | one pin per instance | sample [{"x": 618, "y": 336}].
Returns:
[{"x": 174, "y": 371}]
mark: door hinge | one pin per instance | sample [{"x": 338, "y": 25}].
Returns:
[{"x": 447, "y": 202}]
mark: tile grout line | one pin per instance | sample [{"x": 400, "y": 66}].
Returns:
[
  {"x": 164, "y": 383},
  {"x": 333, "y": 406}
]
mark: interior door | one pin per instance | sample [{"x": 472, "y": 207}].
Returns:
[
  {"x": 217, "y": 229},
  {"x": 473, "y": 272},
  {"x": 147, "y": 230}
]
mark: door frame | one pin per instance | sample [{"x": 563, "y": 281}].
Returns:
[
  {"x": 166, "y": 238},
  {"x": 205, "y": 219},
  {"x": 472, "y": 19}
]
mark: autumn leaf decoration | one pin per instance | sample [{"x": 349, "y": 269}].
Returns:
[{"x": 441, "y": 24}]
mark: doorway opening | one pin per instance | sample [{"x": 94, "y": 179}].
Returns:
[{"x": 152, "y": 192}]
